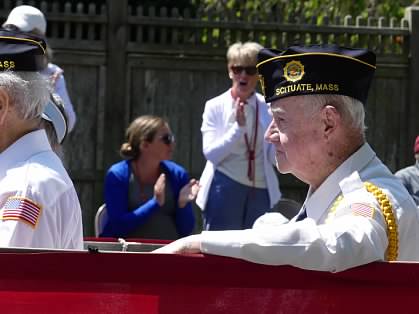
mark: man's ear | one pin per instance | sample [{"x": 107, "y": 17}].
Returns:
[
  {"x": 4, "y": 105},
  {"x": 331, "y": 119}
]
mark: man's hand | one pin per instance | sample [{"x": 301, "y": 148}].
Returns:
[
  {"x": 188, "y": 193},
  {"x": 191, "y": 244}
]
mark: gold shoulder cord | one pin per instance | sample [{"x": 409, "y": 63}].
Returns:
[{"x": 387, "y": 210}]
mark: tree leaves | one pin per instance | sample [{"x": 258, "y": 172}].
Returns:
[{"x": 260, "y": 9}]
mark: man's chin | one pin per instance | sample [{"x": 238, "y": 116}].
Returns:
[{"x": 282, "y": 169}]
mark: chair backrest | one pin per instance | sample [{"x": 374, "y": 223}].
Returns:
[{"x": 101, "y": 218}]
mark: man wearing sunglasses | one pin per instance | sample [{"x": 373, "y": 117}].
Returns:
[{"x": 239, "y": 183}]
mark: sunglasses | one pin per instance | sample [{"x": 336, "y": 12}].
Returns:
[
  {"x": 167, "y": 138},
  {"x": 238, "y": 69}
]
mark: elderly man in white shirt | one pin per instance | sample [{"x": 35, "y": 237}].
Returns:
[
  {"x": 39, "y": 207},
  {"x": 356, "y": 211}
]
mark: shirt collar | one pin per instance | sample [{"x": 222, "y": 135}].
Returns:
[
  {"x": 21, "y": 150},
  {"x": 319, "y": 201}
]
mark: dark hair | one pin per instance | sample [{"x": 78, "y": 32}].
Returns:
[{"x": 142, "y": 129}]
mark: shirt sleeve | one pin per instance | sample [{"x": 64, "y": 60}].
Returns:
[
  {"x": 404, "y": 176},
  {"x": 29, "y": 219},
  {"x": 121, "y": 221},
  {"x": 71, "y": 220},
  {"x": 20, "y": 217},
  {"x": 216, "y": 146},
  {"x": 346, "y": 242},
  {"x": 185, "y": 218}
]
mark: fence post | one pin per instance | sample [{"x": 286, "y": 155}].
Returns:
[
  {"x": 116, "y": 64},
  {"x": 412, "y": 15}
]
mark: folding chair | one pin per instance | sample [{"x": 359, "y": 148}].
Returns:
[{"x": 101, "y": 218}]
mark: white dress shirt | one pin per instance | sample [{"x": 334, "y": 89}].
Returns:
[
  {"x": 326, "y": 240},
  {"x": 39, "y": 207}
]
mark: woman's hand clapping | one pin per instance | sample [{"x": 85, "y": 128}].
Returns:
[
  {"x": 188, "y": 192},
  {"x": 159, "y": 189}
]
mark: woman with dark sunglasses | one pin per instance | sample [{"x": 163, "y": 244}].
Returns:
[
  {"x": 239, "y": 183},
  {"x": 146, "y": 194}
]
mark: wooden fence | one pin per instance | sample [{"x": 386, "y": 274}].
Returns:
[{"x": 122, "y": 60}]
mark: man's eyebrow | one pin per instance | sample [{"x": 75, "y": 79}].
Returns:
[{"x": 276, "y": 110}]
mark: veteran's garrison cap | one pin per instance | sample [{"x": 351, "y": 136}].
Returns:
[
  {"x": 21, "y": 51},
  {"x": 316, "y": 69}
]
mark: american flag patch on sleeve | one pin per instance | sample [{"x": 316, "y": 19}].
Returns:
[
  {"x": 21, "y": 209},
  {"x": 362, "y": 209}
]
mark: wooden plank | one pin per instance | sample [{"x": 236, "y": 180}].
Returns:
[
  {"x": 80, "y": 145},
  {"x": 182, "y": 103},
  {"x": 85, "y": 192},
  {"x": 116, "y": 75}
]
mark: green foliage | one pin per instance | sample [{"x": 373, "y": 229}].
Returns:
[
  {"x": 291, "y": 9},
  {"x": 297, "y": 12}
]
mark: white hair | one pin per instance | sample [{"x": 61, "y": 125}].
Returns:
[
  {"x": 28, "y": 92},
  {"x": 351, "y": 109},
  {"x": 243, "y": 53}
]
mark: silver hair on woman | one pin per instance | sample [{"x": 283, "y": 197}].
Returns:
[{"x": 246, "y": 53}]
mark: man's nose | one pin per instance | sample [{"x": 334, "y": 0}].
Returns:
[{"x": 271, "y": 134}]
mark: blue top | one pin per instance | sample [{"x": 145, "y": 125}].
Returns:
[{"x": 122, "y": 221}]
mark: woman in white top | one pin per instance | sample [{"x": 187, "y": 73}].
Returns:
[{"x": 239, "y": 183}]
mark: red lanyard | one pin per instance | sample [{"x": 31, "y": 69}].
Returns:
[{"x": 251, "y": 150}]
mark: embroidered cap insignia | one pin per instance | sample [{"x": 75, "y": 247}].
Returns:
[{"x": 294, "y": 71}]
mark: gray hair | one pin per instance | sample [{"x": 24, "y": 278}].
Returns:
[
  {"x": 243, "y": 53},
  {"x": 351, "y": 109},
  {"x": 28, "y": 92}
]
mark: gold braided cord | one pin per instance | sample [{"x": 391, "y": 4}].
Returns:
[
  {"x": 386, "y": 209},
  {"x": 332, "y": 210}
]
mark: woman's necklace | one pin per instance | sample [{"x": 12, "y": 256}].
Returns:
[{"x": 251, "y": 147}]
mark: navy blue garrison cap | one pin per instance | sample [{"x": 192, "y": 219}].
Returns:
[
  {"x": 317, "y": 69},
  {"x": 21, "y": 52}
]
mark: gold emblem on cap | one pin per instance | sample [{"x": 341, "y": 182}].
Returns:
[
  {"x": 262, "y": 83},
  {"x": 294, "y": 71}
]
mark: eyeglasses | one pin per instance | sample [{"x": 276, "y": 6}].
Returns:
[
  {"x": 238, "y": 69},
  {"x": 167, "y": 138}
]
